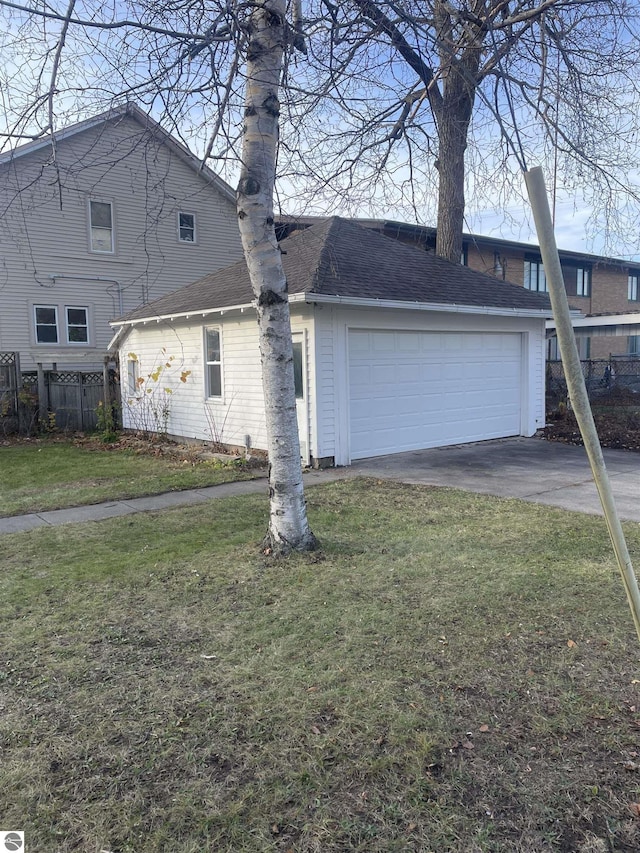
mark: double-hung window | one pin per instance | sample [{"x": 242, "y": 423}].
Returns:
[
  {"x": 101, "y": 226},
  {"x": 633, "y": 292},
  {"x": 213, "y": 363},
  {"x": 633, "y": 345},
  {"x": 46, "y": 320},
  {"x": 47, "y": 325},
  {"x": 534, "y": 276},
  {"x": 77, "y": 325},
  {"x": 186, "y": 227},
  {"x": 583, "y": 281}
]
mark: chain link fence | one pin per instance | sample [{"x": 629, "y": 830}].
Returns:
[{"x": 613, "y": 382}]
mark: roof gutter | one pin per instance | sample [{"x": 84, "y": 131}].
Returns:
[
  {"x": 448, "y": 307},
  {"x": 355, "y": 302}
]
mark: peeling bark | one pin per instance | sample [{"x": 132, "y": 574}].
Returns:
[{"x": 288, "y": 526}]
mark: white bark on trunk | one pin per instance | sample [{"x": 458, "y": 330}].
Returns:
[{"x": 266, "y": 32}]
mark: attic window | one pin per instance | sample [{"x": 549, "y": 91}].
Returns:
[{"x": 186, "y": 227}]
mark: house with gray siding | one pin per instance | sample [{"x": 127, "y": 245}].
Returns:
[
  {"x": 394, "y": 349},
  {"x": 109, "y": 215}
]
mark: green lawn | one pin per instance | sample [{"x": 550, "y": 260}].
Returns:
[
  {"x": 43, "y": 475},
  {"x": 452, "y": 672}
]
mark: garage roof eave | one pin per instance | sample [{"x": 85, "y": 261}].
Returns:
[
  {"x": 358, "y": 302},
  {"x": 180, "y": 315}
]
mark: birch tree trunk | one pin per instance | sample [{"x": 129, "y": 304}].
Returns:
[{"x": 265, "y": 30}]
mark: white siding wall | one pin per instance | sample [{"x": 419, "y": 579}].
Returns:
[
  {"x": 240, "y": 411},
  {"x": 45, "y": 233},
  {"x": 331, "y": 330}
]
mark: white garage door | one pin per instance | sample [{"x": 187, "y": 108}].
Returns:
[{"x": 411, "y": 390}]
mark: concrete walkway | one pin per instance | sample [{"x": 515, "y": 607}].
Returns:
[
  {"x": 167, "y": 500},
  {"x": 526, "y": 468}
]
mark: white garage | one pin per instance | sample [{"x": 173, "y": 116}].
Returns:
[
  {"x": 394, "y": 350},
  {"x": 411, "y": 389}
]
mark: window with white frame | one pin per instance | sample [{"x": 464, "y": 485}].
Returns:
[
  {"x": 46, "y": 324},
  {"x": 583, "y": 281},
  {"x": 633, "y": 293},
  {"x": 298, "y": 378},
  {"x": 186, "y": 227},
  {"x": 101, "y": 225},
  {"x": 77, "y": 324},
  {"x": 133, "y": 373},
  {"x": 213, "y": 363},
  {"x": 534, "y": 276},
  {"x": 633, "y": 345}
]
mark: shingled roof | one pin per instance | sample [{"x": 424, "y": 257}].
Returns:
[{"x": 338, "y": 258}]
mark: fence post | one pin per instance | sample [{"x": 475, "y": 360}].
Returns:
[
  {"x": 19, "y": 404},
  {"x": 80, "y": 401},
  {"x": 43, "y": 398}
]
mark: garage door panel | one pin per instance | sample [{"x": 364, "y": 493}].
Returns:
[{"x": 410, "y": 390}]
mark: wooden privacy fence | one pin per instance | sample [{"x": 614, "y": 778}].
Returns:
[{"x": 67, "y": 400}]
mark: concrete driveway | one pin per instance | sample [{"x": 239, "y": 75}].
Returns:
[{"x": 528, "y": 468}]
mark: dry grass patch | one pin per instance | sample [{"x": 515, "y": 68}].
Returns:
[{"x": 452, "y": 673}]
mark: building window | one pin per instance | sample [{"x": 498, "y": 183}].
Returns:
[
  {"x": 583, "y": 281},
  {"x": 553, "y": 351},
  {"x": 633, "y": 294},
  {"x": 584, "y": 347},
  {"x": 298, "y": 380},
  {"x": 133, "y": 373},
  {"x": 46, "y": 324},
  {"x": 464, "y": 255},
  {"x": 213, "y": 363},
  {"x": 101, "y": 220},
  {"x": 77, "y": 325},
  {"x": 534, "y": 277},
  {"x": 187, "y": 227},
  {"x": 633, "y": 345}
]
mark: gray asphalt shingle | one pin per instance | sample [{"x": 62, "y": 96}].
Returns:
[{"x": 338, "y": 257}]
